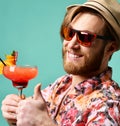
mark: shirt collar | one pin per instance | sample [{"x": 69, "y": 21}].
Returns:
[{"x": 94, "y": 82}]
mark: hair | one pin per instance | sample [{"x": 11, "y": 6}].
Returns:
[{"x": 74, "y": 10}]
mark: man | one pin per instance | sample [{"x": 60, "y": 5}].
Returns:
[{"x": 87, "y": 95}]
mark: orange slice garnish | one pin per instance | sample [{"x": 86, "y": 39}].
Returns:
[{"x": 9, "y": 60}]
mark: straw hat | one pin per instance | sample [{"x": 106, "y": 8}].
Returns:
[{"x": 109, "y": 9}]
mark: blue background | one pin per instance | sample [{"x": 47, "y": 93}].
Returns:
[{"x": 32, "y": 28}]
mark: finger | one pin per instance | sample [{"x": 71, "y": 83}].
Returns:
[
  {"x": 11, "y": 116},
  {"x": 37, "y": 92},
  {"x": 23, "y": 97},
  {"x": 10, "y": 102},
  {"x": 11, "y": 99},
  {"x": 7, "y": 108}
]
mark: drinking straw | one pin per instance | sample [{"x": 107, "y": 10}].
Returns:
[{"x": 3, "y": 62}]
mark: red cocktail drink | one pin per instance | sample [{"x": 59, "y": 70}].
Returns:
[{"x": 20, "y": 75}]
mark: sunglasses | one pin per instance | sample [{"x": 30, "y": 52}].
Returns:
[{"x": 83, "y": 37}]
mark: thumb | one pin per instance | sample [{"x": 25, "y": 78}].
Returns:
[{"x": 37, "y": 92}]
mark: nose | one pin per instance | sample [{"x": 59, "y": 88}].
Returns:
[{"x": 73, "y": 43}]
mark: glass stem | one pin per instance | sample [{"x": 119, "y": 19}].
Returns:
[{"x": 20, "y": 92}]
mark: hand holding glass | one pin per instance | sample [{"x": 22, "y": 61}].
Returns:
[{"x": 20, "y": 75}]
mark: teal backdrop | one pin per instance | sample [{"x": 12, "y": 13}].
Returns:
[{"x": 31, "y": 27}]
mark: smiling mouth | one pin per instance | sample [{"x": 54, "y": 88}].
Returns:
[{"x": 73, "y": 56}]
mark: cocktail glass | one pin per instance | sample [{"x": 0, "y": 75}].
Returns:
[{"x": 20, "y": 75}]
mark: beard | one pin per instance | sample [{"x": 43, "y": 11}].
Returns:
[{"x": 89, "y": 67}]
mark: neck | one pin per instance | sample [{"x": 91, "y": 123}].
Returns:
[
  {"x": 80, "y": 78},
  {"x": 77, "y": 79}
]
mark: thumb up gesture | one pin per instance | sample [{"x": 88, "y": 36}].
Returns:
[{"x": 33, "y": 111}]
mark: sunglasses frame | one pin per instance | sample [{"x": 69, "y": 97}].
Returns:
[{"x": 66, "y": 35}]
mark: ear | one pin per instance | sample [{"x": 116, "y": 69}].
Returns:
[{"x": 111, "y": 48}]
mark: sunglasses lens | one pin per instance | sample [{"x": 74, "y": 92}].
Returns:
[
  {"x": 68, "y": 33},
  {"x": 85, "y": 38}
]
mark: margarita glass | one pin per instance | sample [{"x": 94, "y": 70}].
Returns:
[{"x": 20, "y": 75}]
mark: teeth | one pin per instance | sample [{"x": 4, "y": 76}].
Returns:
[{"x": 73, "y": 56}]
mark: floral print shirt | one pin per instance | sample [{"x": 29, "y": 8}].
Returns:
[{"x": 93, "y": 102}]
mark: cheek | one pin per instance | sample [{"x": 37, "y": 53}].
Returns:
[
  {"x": 65, "y": 43},
  {"x": 86, "y": 51},
  {"x": 90, "y": 53},
  {"x": 64, "y": 46}
]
